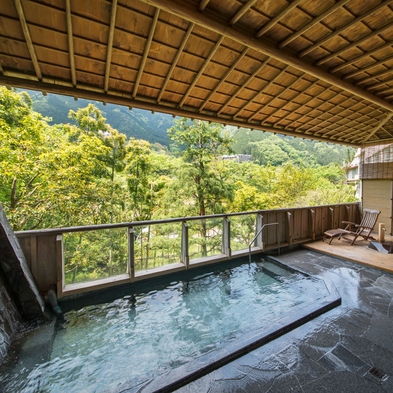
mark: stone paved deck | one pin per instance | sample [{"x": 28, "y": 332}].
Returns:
[{"x": 349, "y": 349}]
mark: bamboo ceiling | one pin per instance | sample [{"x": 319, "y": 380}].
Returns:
[{"x": 319, "y": 69}]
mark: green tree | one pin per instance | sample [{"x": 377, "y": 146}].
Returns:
[
  {"x": 23, "y": 178},
  {"x": 201, "y": 186}
]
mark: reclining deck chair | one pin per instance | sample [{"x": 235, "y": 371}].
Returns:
[{"x": 363, "y": 229}]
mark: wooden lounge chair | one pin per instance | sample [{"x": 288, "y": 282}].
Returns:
[{"x": 363, "y": 229}]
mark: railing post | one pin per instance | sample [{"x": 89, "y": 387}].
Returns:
[
  {"x": 226, "y": 237},
  {"x": 258, "y": 232},
  {"x": 331, "y": 217},
  {"x": 312, "y": 224},
  {"x": 131, "y": 254},
  {"x": 60, "y": 266},
  {"x": 290, "y": 234},
  {"x": 185, "y": 259}
]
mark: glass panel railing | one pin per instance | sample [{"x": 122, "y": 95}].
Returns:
[
  {"x": 95, "y": 254},
  {"x": 157, "y": 245},
  {"x": 242, "y": 231},
  {"x": 205, "y": 237}
]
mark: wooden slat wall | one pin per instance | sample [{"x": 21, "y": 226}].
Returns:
[{"x": 377, "y": 194}]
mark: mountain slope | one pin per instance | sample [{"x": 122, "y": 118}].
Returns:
[{"x": 136, "y": 123}]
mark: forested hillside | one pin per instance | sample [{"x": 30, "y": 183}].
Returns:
[
  {"x": 265, "y": 148},
  {"x": 135, "y": 123}
]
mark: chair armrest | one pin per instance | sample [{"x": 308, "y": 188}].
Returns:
[{"x": 349, "y": 224}]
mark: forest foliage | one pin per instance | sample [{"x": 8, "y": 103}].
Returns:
[{"x": 86, "y": 172}]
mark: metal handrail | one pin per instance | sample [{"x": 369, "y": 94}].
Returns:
[{"x": 253, "y": 240}]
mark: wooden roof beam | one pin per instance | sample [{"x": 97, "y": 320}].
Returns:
[
  {"x": 146, "y": 53},
  {"x": 70, "y": 37},
  {"x": 344, "y": 27},
  {"x": 222, "y": 81},
  {"x": 278, "y": 17},
  {"x": 110, "y": 45},
  {"x": 245, "y": 83},
  {"x": 378, "y": 127},
  {"x": 243, "y": 9},
  {"x": 200, "y": 72},
  {"x": 313, "y": 22},
  {"x": 175, "y": 60},
  {"x": 126, "y": 100},
  {"x": 29, "y": 42},
  {"x": 353, "y": 44},
  {"x": 185, "y": 11}
]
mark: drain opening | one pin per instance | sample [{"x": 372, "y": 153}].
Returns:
[{"x": 377, "y": 373}]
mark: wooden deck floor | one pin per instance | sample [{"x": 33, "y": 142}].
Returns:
[{"x": 359, "y": 252}]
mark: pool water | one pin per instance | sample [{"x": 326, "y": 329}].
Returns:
[{"x": 141, "y": 336}]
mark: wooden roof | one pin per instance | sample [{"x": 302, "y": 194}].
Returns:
[{"x": 309, "y": 68}]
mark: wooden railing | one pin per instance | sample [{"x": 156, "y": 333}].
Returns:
[{"x": 46, "y": 250}]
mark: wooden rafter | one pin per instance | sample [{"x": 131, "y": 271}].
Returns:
[
  {"x": 368, "y": 68},
  {"x": 146, "y": 52},
  {"x": 202, "y": 69},
  {"x": 175, "y": 60},
  {"x": 378, "y": 86},
  {"x": 111, "y": 34},
  {"x": 245, "y": 83},
  {"x": 285, "y": 103},
  {"x": 275, "y": 20},
  {"x": 27, "y": 36},
  {"x": 70, "y": 37},
  {"x": 375, "y": 76},
  {"x": 222, "y": 81},
  {"x": 312, "y": 23},
  {"x": 259, "y": 93},
  {"x": 337, "y": 32},
  {"x": 313, "y": 84},
  {"x": 203, "y": 5},
  {"x": 243, "y": 9},
  {"x": 313, "y": 108},
  {"x": 273, "y": 98},
  {"x": 353, "y": 44},
  {"x": 388, "y": 90},
  {"x": 361, "y": 57}
]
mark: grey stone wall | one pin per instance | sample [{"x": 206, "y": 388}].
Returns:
[
  {"x": 9, "y": 320},
  {"x": 16, "y": 274},
  {"x": 19, "y": 296}
]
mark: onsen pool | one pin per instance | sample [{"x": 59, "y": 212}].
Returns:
[{"x": 160, "y": 339}]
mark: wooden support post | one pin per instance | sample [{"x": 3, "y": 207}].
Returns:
[
  {"x": 290, "y": 234},
  {"x": 312, "y": 224}
]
